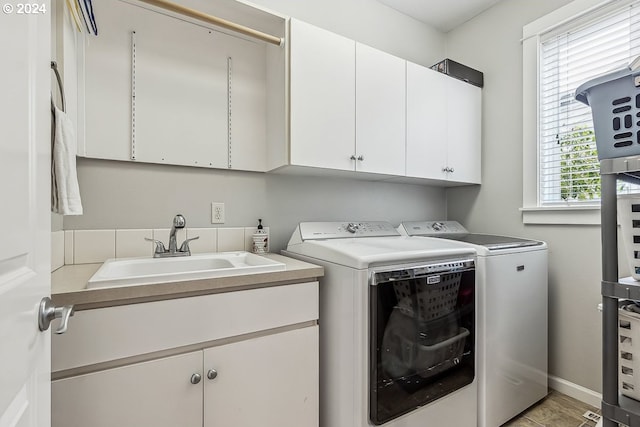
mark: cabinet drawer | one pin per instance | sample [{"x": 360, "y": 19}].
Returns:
[{"x": 105, "y": 334}]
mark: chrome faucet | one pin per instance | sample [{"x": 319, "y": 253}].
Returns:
[
  {"x": 160, "y": 252},
  {"x": 178, "y": 223}
]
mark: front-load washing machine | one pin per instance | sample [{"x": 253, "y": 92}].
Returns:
[
  {"x": 397, "y": 326},
  {"x": 512, "y": 317}
]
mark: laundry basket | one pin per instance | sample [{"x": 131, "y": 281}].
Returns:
[
  {"x": 629, "y": 219},
  {"x": 615, "y": 104},
  {"x": 629, "y": 351},
  {"x": 430, "y": 301}
]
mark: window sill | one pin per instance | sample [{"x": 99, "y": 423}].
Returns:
[{"x": 565, "y": 215}]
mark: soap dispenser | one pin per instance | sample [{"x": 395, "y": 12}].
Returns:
[{"x": 260, "y": 240}]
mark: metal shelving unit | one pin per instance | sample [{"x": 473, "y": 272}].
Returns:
[{"x": 616, "y": 408}]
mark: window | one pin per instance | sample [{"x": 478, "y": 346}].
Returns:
[{"x": 590, "y": 41}]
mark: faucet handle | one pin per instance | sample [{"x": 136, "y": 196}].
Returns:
[
  {"x": 160, "y": 249},
  {"x": 185, "y": 245}
]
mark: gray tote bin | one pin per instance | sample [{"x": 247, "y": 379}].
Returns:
[{"x": 615, "y": 106}]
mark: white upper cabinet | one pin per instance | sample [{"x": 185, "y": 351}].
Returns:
[
  {"x": 380, "y": 111},
  {"x": 464, "y": 116},
  {"x": 426, "y": 123},
  {"x": 443, "y": 127},
  {"x": 322, "y": 109},
  {"x": 355, "y": 108}
]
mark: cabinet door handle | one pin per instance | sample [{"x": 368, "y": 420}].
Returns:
[
  {"x": 353, "y": 157},
  {"x": 212, "y": 374},
  {"x": 195, "y": 378},
  {"x": 451, "y": 170},
  {"x": 361, "y": 157}
]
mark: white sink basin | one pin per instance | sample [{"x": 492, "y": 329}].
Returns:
[{"x": 142, "y": 271}]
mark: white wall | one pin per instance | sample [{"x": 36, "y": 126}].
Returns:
[
  {"x": 491, "y": 43},
  {"x": 128, "y": 195},
  {"x": 368, "y": 22},
  {"x": 133, "y": 195}
]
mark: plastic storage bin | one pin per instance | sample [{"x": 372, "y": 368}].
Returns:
[
  {"x": 615, "y": 103},
  {"x": 629, "y": 219},
  {"x": 431, "y": 301},
  {"x": 629, "y": 352},
  {"x": 402, "y": 355}
]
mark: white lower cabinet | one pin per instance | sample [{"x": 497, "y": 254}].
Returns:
[
  {"x": 235, "y": 359},
  {"x": 269, "y": 381},
  {"x": 156, "y": 393}
]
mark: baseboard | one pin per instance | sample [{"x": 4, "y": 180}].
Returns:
[{"x": 576, "y": 391}]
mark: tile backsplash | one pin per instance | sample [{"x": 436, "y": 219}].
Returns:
[{"x": 95, "y": 246}]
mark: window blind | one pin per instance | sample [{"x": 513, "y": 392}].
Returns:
[{"x": 568, "y": 163}]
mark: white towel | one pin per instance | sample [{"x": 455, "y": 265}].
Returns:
[{"x": 65, "y": 192}]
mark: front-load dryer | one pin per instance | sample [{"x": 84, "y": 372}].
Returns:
[
  {"x": 512, "y": 317},
  {"x": 397, "y": 326}
]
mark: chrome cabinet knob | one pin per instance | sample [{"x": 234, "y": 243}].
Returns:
[
  {"x": 47, "y": 312},
  {"x": 361, "y": 157},
  {"x": 353, "y": 157},
  {"x": 195, "y": 378},
  {"x": 451, "y": 170},
  {"x": 212, "y": 374}
]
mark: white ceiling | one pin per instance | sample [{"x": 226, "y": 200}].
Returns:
[{"x": 444, "y": 15}]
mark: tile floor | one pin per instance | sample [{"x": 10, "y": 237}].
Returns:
[{"x": 556, "y": 410}]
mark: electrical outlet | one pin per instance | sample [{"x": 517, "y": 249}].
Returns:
[{"x": 217, "y": 213}]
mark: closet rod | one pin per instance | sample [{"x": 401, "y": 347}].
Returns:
[{"x": 192, "y": 13}]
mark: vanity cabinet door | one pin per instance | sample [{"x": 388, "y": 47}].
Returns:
[
  {"x": 268, "y": 381},
  {"x": 157, "y": 393}
]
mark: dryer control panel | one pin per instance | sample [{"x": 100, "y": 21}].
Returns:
[
  {"x": 343, "y": 230},
  {"x": 432, "y": 228}
]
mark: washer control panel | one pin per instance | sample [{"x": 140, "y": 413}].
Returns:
[
  {"x": 343, "y": 230},
  {"x": 433, "y": 228}
]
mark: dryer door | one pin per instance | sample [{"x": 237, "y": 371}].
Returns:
[{"x": 422, "y": 345}]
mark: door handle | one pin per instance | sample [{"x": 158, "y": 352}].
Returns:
[{"x": 47, "y": 312}]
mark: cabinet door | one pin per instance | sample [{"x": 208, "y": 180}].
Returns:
[
  {"x": 464, "y": 106},
  {"x": 156, "y": 393},
  {"x": 426, "y": 122},
  {"x": 380, "y": 111},
  {"x": 270, "y": 381},
  {"x": 322, "y": 97}
]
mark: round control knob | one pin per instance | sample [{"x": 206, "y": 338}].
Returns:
[
  {"x": 351, "y": 227},
  {"x": 195, "y": 378},
  {"x": 212, "y": 374},
  {"x": 438, "y": 226}
]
